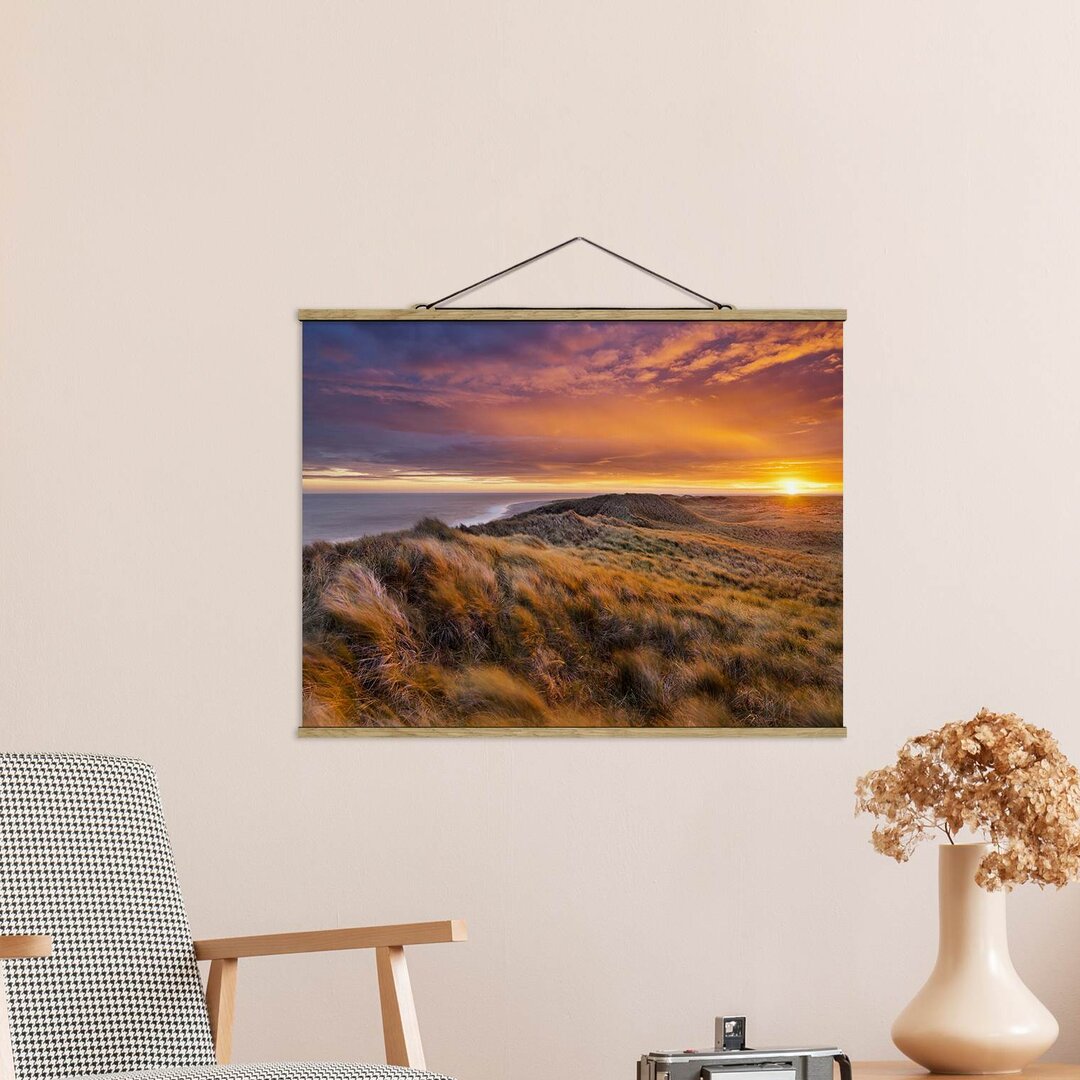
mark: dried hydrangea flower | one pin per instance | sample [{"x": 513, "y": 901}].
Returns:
[{"x": 995, "y": 775}]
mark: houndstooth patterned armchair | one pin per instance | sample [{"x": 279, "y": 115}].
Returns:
[{"x": 97, "y": 967}]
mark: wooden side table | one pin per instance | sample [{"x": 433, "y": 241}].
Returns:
[{"x": 908, "y": 1070}]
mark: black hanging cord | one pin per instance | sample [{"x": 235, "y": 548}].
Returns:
[{"x": 573, "y": 240}]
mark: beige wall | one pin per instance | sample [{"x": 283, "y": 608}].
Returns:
[{"x": 179, "y": 177}]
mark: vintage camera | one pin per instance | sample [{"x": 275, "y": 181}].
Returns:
[{"x": 729, "y": 1059}]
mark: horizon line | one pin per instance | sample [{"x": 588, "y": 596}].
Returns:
[{"x": 584, "y": 493}]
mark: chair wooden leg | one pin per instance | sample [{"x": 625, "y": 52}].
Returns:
[
  {"x": 401, "y": 1031},
  {"x": 221, "y": 1006}
]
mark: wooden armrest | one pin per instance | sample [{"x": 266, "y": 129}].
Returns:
[
  {"x": 24, "y": 946},
  {"x": 356, "y": 937},
  {"x": 400, "y": 1029}
]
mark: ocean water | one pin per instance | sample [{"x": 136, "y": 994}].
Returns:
[{"x": 346, "y": 515}]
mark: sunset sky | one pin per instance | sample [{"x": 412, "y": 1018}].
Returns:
[{"x": 588, "y": 406}]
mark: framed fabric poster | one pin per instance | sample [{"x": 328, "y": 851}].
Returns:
[{"x": 572, "y": 522}]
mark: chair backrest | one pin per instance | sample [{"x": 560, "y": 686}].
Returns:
[{"x": 85, "y": 857}]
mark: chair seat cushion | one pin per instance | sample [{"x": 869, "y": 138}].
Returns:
[{"x": 276, "y": 1070}]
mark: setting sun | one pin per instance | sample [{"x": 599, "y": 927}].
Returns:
[{"x": 792, "y": 487}]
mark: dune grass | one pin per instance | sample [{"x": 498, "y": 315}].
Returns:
[{"x": 627, "y": 611}]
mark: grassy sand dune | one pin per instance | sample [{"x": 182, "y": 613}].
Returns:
[{"x": 620, "y": 610}]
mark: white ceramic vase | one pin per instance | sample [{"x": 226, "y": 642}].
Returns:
[{"x": 974, "y": 1014}]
